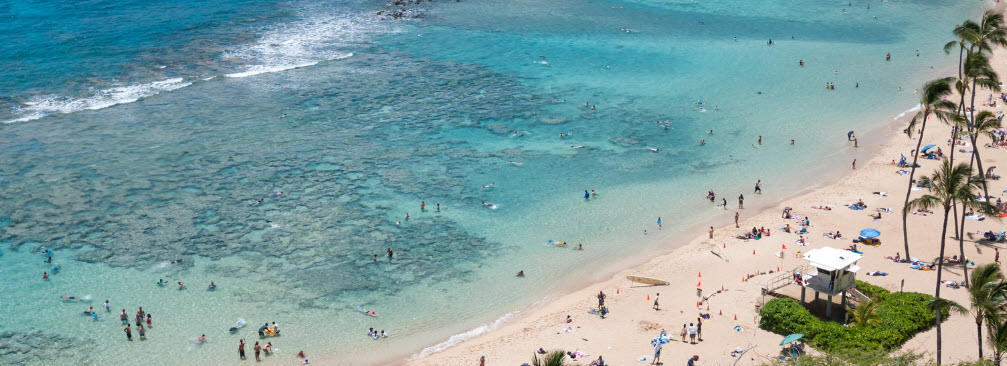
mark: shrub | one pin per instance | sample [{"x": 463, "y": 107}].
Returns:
[
  {"x": 904, "y": 314},
  {"x": 870, "y": 290}
]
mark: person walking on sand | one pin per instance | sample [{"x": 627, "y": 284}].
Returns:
[
  {"x": 692, "y": 360},
  {"x": 241, "y": 349},
  {"x": 996, "y": 258},
  {"x": 657, "y": 352},
  {"x": 257, "y": 349},
  {"x": 482, "y": 360},
  {"x": 741, "y": 201},
  {"x": 854, "y": 163},
  {"x": 699, "y": 329},
  {"x": 656, "y": 306},
  {"x": 736, "y": 217},
  {"x": 757, "y": 188},
  {"x": 601, "y": 299},
  {"x": 692, "y": 334},
  {"x": 711, "y": 232}
]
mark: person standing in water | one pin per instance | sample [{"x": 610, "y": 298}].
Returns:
[
  {"x": 741, "y": 201},
  {"x": 586, "y": 195},
  {"x": 758, "y": 189},
  {"x": 241, "y": 349},
  {"x": 659, "y": 223},
  {"x": 129, "y": 333},
  {"x": 257, "y": 349},
  {"x": 390, "y": 254},
  {"x": 736, "y": 217}
]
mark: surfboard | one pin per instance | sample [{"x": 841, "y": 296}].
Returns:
[{"x": 648, "y": 280}]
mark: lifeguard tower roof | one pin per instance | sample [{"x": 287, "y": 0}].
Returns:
[{"x": 832, "y": 259}]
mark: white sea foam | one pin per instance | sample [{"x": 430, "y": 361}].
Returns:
[
  {"x": 317, "y": 37},
  {"x": 910, "y": 110},
  {"x": 461, "y": 337},
  {"x": 41, "y": 106},
  {"x": 305, "y": 42}
]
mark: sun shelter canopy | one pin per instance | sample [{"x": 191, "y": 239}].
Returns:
[
  {"x": 870, "y": 233},
  {"x": 831, "y": 259},
  {"x": 791, "y": 338}
]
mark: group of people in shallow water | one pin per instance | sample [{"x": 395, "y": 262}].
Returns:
[{"x": 138, "y": 319}]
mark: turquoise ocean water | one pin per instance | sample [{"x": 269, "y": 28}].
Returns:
[{"x": 136, "y": 133}]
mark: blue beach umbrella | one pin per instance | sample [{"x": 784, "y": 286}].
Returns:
[
  {"x": 791, "y": 339},
  {"x": 870, "y": 233},
  {"x": 928, "y": 147}
]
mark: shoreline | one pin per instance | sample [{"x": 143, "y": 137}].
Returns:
[{"x": 870, "y": 155}]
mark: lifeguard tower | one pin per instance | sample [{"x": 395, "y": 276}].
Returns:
[{"x": 830, "y": 271}]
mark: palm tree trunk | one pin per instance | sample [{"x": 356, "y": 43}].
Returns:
[
  {"x": 961, "y": 241},
  {"x": 909, "y": 191},
  {"x": 940, "y": 271},
  {"x": 979, "y": 333},
  {"x": 951, "y": 161}
]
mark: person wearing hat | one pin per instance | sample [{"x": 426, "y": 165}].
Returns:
[{"x": 692, "y": 360}]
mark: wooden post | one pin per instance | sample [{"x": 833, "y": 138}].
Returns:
[{"x": 828, "y": 307}]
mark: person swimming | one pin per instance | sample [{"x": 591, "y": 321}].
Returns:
[
  {"x": 491, "y": 185},
  {"x": 213, "y": 286},
  {"x": 520, "y": 273},
  {"x": 654, "y": 149},
  {"x": 516, "y": 163},
  {"x": 181, "y": 285},
  {"x": 160, "y": 282},
  {"x": 201, "y": 339}
]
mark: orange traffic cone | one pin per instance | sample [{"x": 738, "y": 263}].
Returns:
[
  {"x": 735, "y": 317},
  {"x": 721, "y": 312},
  {"x": 784, "y": 246},
  {"x": 707, "y": 307},
  {"x": 753, "y": 252},
  {"x": 648, "y": 297},
  {"x": 697, "y": 304},
  {"x": 700, "y": 274},
  {"x": 778, "y": 268},
  {"x": 721, "y": 288},
  {"x": 725, "y": 245},
  {"x": 699, "y": 283}
]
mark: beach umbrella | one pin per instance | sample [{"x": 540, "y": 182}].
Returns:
[
  {"x": 791, "y": 338},
  {"x": 928, "y": 147},
  {"x": 870, "y": 233}
]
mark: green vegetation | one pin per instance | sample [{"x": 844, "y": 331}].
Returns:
[
  {"x": 554, "y": 358},
  {"x": 900, "y": 315}
]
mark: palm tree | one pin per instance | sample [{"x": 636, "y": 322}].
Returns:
[
  {"x": 864, "y": 314},
  {"x": 986, "y": 296},
  {"x": 996, "y": 328},
  {"x": 939, "y": 306},
  {"x": 931, "y": 103},
  {"x": 979, "y": 71},
  {"x": 554, "y": 358},
  {"x": 986, "y": 123},
  {"x": 950, "y": 184}
]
